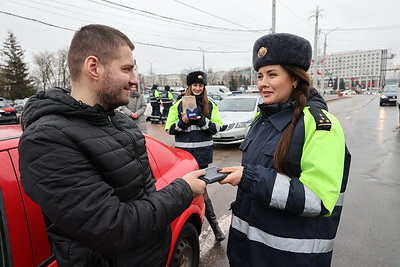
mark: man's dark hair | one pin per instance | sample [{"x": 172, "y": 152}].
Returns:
[{"x": 96, "y": 40}]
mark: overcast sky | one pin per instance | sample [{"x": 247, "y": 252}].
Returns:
[{"x": 170, "y": 35}]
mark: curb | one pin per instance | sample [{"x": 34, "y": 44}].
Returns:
[{"x": 335, "y": 98}]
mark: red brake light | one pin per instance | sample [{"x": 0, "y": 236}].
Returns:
[{"x": 9, "y": 109}]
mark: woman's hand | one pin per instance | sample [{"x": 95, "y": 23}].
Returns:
[
  {"x": 185, "y": 119},
  {"x": 235, "y": 176}
]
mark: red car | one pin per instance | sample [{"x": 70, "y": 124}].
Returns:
[
  {"x": 24, "y": 240},
  {"x": 8, "y": 114}
]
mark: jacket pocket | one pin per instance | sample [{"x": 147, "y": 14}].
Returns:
[
  {"x": 270, "y": 146},
  {"x": 245, "y": 144}
]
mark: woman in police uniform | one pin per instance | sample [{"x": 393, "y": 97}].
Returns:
[
  {"x": 195, "y": 134},
  {"x": 294, "y": 168}
]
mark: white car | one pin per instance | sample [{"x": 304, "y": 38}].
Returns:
[
  {"x": 218, "y": 90},
  {"x": 237, "y": 112},
  {"x": 349, "y": 92}
]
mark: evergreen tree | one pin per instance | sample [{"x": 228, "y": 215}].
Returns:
[
  {"x": 233, "y": 82},
  {"x": 15, "y": 82}
]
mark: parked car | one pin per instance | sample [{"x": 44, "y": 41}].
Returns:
[
  {"x": 349, "y": 92},
  {"x": 388, "y": 95},
  {"x": 175, "y": 95},
  {"x": 237, "y": 112},
  {"x": 23, "y": 237},
  {"x": 216, "y": 98},
  {"x": 146, "y": 97},
  {"x": 8, "y": 114},
  {"x": 19, "y": 104},
  {"x": 218, "y": 90}
]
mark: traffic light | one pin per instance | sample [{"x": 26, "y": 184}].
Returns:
[{"x": 330, "y": 82}]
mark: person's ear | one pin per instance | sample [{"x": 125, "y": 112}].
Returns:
[
  {"x": 295, "y": 83},
  {"x": 93, "y": 67}
]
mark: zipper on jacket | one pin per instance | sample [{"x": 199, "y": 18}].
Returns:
[{"x": 135, "y": 154}]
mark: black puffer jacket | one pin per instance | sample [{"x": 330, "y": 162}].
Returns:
[{"x": 89, "y": 172}]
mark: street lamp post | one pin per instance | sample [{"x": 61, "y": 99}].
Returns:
[
  {"x": 151, "y": 70},
  {"x": 322, "y": 71}
]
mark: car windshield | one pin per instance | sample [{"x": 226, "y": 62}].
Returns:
[
  {"x": 390, "y": 89},
  {"x": 224, "y": 90},
  {"x": 3, "y": 104},
  {"x": 235, "y": 104}
]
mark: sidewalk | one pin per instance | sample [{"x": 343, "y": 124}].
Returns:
[{"x": 333, "y": 97}]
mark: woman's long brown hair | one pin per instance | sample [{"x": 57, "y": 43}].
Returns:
[
  {"x": 300, "y": 95},
  {"x": 204, "y": 100}
]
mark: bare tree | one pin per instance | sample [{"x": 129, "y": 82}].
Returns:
[
  {"x": 52, "y": 69},
  {"x": 213, "y": 78}
]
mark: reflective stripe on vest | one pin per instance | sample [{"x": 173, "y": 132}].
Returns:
[
  {"x": 194, "y": 144},
  {"x": 285, "y": 244},
  {"x": 312, "y": 205}
]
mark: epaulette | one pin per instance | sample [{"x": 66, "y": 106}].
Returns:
[{"x": 321, "y": 120}]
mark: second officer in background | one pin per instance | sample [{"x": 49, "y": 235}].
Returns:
[
  {"x": 155, "y": 100},
  {"x": 195, "y": 135},
  {"x": 166, "y": 99}
]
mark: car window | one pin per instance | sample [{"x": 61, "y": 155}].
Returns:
[
  {"x": 215, "y": 97},
  {"x": 3, "y": 104},
  {"x": 389, "y": 89},
  {"x": 237, "y": 104}
]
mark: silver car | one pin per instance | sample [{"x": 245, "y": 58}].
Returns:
[{"x": 237, "y": 112}]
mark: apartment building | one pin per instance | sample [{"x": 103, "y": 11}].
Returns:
[{"x": 364, "y": 70}]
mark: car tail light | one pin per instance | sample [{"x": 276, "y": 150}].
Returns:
[{"x": 10, "y": 109}]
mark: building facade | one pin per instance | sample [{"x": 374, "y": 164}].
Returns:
[{"x": 360, "y": 70}]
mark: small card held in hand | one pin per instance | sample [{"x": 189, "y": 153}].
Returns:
[
  {"x": 190, "y": 107},
  {"x": 213, "y": 175}
]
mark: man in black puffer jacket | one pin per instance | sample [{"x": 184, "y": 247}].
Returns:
[{"x": 87, "y": 166}]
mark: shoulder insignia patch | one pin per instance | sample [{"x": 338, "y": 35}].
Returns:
[{"x": 321, "y": 120}]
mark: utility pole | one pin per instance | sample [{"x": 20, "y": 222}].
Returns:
[
  {"x": 316, "y": 15},
  {"x": 204, "y": 62},
  {"x": 204, "y": 58},
  {"x": 273, "y": 29}
]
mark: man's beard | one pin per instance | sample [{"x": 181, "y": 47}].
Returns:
[{"x": 109, "y": 97}]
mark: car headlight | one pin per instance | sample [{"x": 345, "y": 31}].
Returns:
[
  {"x": 241, "y": 125},
  {"x": 383, "y": 96},
  {"x": 230, "y": 126}
]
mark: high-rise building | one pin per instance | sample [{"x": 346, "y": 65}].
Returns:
[{"x": 363, "y": 70}]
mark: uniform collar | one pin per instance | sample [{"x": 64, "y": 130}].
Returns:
[{"x": 279, "y": 115}]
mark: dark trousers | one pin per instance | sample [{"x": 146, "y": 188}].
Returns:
[
  {"x": 165, "y": 111},
  {"x": 155, "y": 113}
]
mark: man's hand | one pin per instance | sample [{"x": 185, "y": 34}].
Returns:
[
  {"x": 134, "y": 115},
  {"x": 235, "y": 176},
  {"x": 198, "y": 186}
]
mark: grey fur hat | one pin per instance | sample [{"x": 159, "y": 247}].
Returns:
[
  {"x": 282, "y": 49},
  {"x": 196, "y": 77}
]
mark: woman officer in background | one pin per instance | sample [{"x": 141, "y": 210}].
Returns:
[{"x": 195, "y": 135}]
